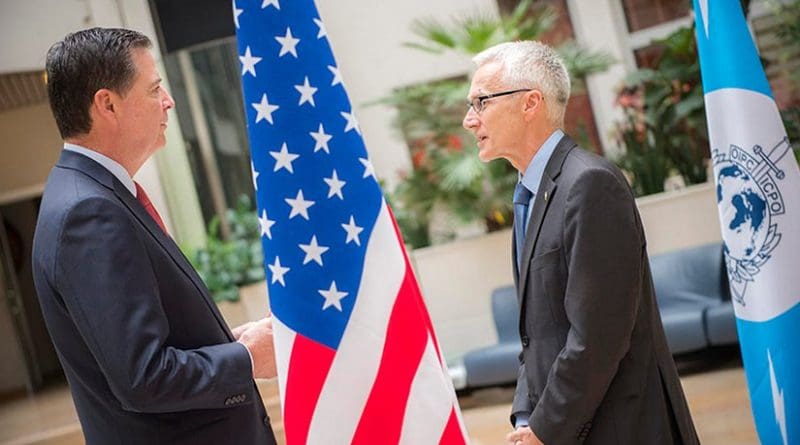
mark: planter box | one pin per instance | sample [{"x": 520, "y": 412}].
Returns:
[{"x": 252, "y": 305}]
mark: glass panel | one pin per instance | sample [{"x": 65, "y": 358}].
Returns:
[
  {"x": 641, "y": 14},
  {"x": 648, "y": 56},
  {"x": 217, "y": 74},
  {"x": 214, "y": 71}
]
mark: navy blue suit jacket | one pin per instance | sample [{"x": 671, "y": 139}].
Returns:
[{"x": 147, "y": 355}]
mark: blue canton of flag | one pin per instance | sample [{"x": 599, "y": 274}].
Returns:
[
  {"x": 357, "y": 356},
  {"x": 758, "y": 195},
  {"x": 310, "y": 165}
]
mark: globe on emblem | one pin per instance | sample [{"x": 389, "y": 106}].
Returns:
[{"x": 744, "y": 214}]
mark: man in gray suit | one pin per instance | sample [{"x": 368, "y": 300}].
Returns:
[
  {"x": 147, "y": 355},
  {"x": 594, "y": 367}
]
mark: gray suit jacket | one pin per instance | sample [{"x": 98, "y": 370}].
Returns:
[
  {"x": 147, "y": 355},
  {"x": 594, "y": 367}
]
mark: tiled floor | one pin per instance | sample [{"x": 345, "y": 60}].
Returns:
[
  {"x": 715, "y": 389},
  {"x": 718, "y": 401}
]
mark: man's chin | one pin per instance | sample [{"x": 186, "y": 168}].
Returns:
[{"x": 485, "y": 155}]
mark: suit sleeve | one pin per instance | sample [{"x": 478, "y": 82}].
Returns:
[
  {"x": 108, "y": 286},
  {"x": 603, "y": 248},
  {"x": 522, "y": 405}
]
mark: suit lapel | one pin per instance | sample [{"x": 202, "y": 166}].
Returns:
[
  {"x": 85, "y": 165},
  {"x": 168, "y": 244},
  {"x": 544, "y": 196}
]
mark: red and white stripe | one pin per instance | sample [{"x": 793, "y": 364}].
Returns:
[{"x": 387, "y": 382}]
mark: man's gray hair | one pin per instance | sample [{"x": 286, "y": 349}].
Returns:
[{"x": 532, "y": 64}]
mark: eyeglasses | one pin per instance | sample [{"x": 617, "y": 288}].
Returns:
[{"x": 479, "y": 103}]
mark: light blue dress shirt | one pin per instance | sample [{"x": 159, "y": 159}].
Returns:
[{"x": 535, "y": 170}]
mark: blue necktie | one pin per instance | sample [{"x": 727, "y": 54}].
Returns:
[{"x": 522, "y": 197}]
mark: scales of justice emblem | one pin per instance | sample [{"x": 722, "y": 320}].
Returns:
[{"x": 750, "y": 201}]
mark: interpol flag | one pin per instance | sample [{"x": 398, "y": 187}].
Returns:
[
  {"x": 758, "y": 195},
  {"x": 358, "y": 361}
]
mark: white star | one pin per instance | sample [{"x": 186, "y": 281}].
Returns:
[
  {"x": 322, "y": 139},
  {"x": 236, "y": 13},
  {"x": 255, "y": 174},
  {"x": 299, "y": 205},
  {"x": 283, "y": 159},
  {"x": 335, "y": 185},
  {"x": 288, "y": 43},
  {"x": 352, "y": 231},
  {"x": 352, "y": 122},
  {"x": 249, "y": 62},
  {"x": 313, "y": 251},
  {"x": 369, "y": 170},
  {"x": 274, "y": 3},
  {"x": 264, "y": 109},
  {"x": 337, "y": 76},
  {"x": 306, "y": 93},
  {"x": 333, "y": 297},
  {"x": 265, "y": 224},
  {"x": 322, "y": 31},
  {"x": 278, "y": 271}
]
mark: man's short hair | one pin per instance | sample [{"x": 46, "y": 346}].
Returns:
[
  {"x": 532, "y": 64},
  {"x": 83, "y": 63}
]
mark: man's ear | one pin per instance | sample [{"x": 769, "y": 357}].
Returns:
[
  {"x": 104, "y": 104},
  {"x": 532, "y": 104}
]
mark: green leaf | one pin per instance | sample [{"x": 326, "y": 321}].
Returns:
[
  {"x": 461, "y": 172},
  {"x": 688, "y": 106}
]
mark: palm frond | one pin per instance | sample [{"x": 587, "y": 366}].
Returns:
[
  {"x": 581, "y": 62},
  {"x": 461, "y": 172},
  {"x": 438, "y": 36}
]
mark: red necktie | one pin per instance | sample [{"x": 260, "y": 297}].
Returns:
[{"x": 141, "y": 195}]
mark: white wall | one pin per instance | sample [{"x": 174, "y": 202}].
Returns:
[
  {"x": 28, "y": 28},
  {"x": 30, "y": 147},
  {"x": 457, "y": 278},
  {"x": 680, "y": 219}
]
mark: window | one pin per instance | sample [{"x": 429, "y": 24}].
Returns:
[
  {"x": 207, "y": 89},
  {"x": 641, "y": 14}
]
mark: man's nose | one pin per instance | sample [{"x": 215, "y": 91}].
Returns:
[
  {"x": 168, "y": 102},
  {"x": 471, "y": 120}
]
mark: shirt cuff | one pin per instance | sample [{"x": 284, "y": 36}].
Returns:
[
  {"x": 253, "y": 365},
  {"x": 521, "y": 419}
]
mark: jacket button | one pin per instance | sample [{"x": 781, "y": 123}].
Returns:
[
  {"x": 266, "y": 421},
  {"x": 525, "y": 341}
]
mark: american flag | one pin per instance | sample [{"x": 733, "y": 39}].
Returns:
[{"x": 358, "y": 360}]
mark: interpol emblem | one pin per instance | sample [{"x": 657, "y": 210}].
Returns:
[{"x": 749, "y": 197}]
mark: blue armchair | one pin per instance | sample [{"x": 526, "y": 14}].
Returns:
[
  {"x": 693, "y": 298},
  {"x": 497, "y": 364}
]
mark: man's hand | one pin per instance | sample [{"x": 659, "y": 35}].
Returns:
[
  {"x": 523, "y": 436},
  {"x": 237, "y": 331},
  {"x": 257, "y": 338}
]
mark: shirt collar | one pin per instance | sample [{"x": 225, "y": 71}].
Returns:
[
  {"x": 535, "y": 171},
  {"x": 109, "y": 164}
]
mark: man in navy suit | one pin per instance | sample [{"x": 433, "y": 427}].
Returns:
[{"x": 147, "y": 355}]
